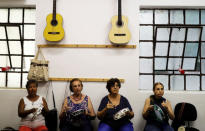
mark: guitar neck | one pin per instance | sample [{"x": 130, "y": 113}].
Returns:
[
  {"x": 119, "y": 13},
  {"x": 54, "y": 9}
]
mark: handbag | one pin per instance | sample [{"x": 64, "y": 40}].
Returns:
[
  {"x": 51, "y": 117},
  {"x": 38, "y": 68}
]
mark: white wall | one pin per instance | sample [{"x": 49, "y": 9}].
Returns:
[{"x": 88, "y": 22}]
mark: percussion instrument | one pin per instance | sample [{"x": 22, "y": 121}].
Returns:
[
  {"x": 158, "y": 113},
  {"x": 38, "y": 112},
  {"x": 77, "y": 112},
  {"x": 120, "y": 114}
]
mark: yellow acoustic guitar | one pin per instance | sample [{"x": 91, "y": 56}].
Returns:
[
  {"x": 119, "y": 34},
  {"x": 54, "y": 30}
]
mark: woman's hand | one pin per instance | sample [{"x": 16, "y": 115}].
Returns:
[
  {"x": 150, "y": 108},
  {"x": 147, "y": 108},
  {"x": 102, "y": 113},
  {"x": 109, "y": 105},
  {"x": 165, "y": 105},
  {"x": 168, "y": 107},
  {"x": 130, "y": 114},
  {"x": 33, "y": 110},
  {"x": 66, "y": 108}
]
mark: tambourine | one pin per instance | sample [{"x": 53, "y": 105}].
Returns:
[
  {"x": 120, "y": 114},
  {"x": 38, "y": 112},
  {"x": 159, "y": 114},
  {"x": 78, "y": 112}
]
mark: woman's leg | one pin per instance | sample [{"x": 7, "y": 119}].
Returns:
[
  {"x": 126, "y": 127},
  {"x": 151, "y": 127},
  {"x": 87, "y": 127},
  {"x": 24, "y": 128},
  {"x": 104, "y": 127},
  {"x": 65, "y": 128},
  {"x": 167, "y": 127}
]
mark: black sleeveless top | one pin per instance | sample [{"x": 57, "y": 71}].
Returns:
[{"x": 151, "y": 117}]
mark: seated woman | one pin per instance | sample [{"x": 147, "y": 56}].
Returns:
[
  {"x": 114, "y": 111},
  {"x": 77, "y": 110},
  {"x": 31, "y": 109},
  {"x": 157, "y": 110}
]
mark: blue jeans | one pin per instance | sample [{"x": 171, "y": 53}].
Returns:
[
  {"x": 105, "y": 127},
  {"x": 154, "y": 127}
]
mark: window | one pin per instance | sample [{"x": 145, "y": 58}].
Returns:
[
  {"x": 17, "y": 45},
  {"x": 172, "y": 48}
]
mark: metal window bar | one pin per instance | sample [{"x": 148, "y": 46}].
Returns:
[
  {"x": 153, "y": 37},
  {"x": 199, "y": 52},
  {"x": 7, "y": 42},
  {"x": 169, "y": 41},
  {"x": 21, "y": 42},
  {"x": 8, "y": 47}
]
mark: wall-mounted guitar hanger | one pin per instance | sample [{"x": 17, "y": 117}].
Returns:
[
  {"x": 84, "y": 46},
  {"x": 84, "y": 79}
]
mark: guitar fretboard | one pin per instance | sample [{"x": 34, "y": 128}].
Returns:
[
  {"x": 54, "y": 10},
  {"x": 119, "y": 22}
]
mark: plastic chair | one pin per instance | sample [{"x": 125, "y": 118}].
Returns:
[{"x": 184, "y": 114}]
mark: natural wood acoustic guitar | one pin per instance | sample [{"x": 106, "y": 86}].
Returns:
[
  {"x": 119, "y": 34},
  {"x": 54, "y": 30}
]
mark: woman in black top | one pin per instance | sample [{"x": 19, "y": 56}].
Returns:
[
  {"x": 157, "y": 111},
  {"x": 110, "y": 106}
]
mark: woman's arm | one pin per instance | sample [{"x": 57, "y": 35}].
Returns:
[
  {"x": 45, "y": 107},
  {"x": 102, "y": 113},
  {"x": 147, "y": 108},
  {"x": 90, "y": 112},
  {"x": 168, "y": 107},
  {"x": 130, "y": 113},
  {"x": 23, "y": 113},
  {"x": 64, "y": 108},
  {"x": 90, "y": 108}
]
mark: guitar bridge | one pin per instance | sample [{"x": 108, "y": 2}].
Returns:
[
  {"x": 53, "y": 33},
  {"x": 119, "y": 34}
]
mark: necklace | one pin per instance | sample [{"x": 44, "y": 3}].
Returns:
[{"x": 77, "y": 99}]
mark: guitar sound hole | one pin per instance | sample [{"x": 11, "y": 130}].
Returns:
[
  {"x": 54, "y": 22},
  {"x": 119, "y": 34},
  {"x": 119, "y": 23}
]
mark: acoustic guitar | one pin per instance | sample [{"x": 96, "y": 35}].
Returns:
[
  {"x": 54, "y": 30},
  {"x": 119, "y": 33}
]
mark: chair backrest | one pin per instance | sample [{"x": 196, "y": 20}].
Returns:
[{"x": 185, "y": 112}]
